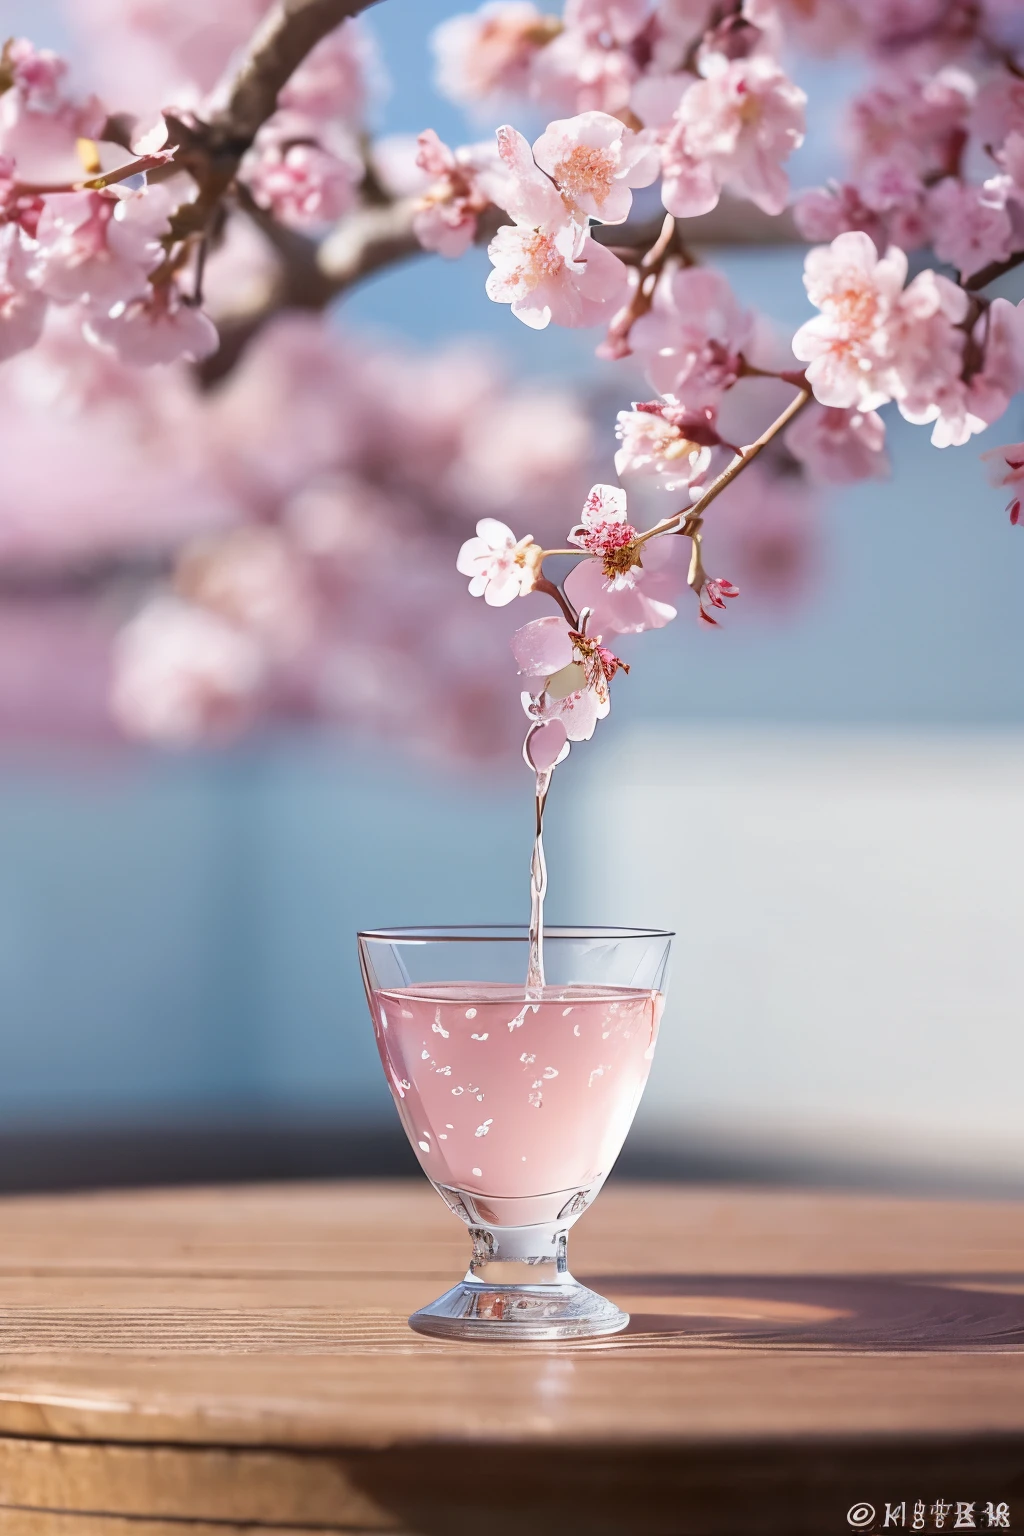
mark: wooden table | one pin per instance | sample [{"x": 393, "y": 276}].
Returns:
[{"x": 200, "y": 1363}]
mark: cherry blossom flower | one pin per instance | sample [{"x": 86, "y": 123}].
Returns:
[
  {"x": 100, "y": 246},
  {"x": 546, "y": 265},
  {"x": 22, "y": 308},
  {"x": 1007, "y": 468},
  {"x": 158, "y": 327},
  {"x": 691, "y": 339},
  {"x": 462, "y": 184},
  {"x": 846, "y": 346},
  {"x": 605, "y": 530},
  {"x": 837, "y": 446},
  {"x": 667, "y": 444},
  {"x": 182, "y": 673},
  {"x": 487, "y": 56},
  {"x": 594, "y": 161},
  {"x": 570, "y": 672},
  {"x": 971, "y": 226},
  {"x": 582, "y": 71},
  {"x": 734, "y": 129},
  {"x": 930, "y": 381},
  {"x": 497, "y": 563},
  {"x": 630, "y": 607},
  {"x": 302, "y": 183},
  {"x": 712, "y": 593}
]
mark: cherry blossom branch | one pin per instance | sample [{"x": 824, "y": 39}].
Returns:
[
  {"x": 994, "y": 270},
  {"x": 290, "y": 31},
  {"x": 137, "y": 167},
  {"x": 693, "y": 515}
]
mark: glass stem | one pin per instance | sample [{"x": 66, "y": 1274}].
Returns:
[{"x": 534, "y": 1255}]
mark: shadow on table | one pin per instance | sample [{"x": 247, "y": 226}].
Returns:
[{"x": 838, "y": 1312}]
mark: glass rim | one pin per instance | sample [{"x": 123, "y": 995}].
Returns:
[{"x": 504, "y": 933}]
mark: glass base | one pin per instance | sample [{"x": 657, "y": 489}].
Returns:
[
  {"x": 518, "y": 1287},
  {"x": 473, "y": 1310}
]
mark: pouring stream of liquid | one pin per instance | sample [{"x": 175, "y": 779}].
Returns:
[{"x": 538, "y": 887}]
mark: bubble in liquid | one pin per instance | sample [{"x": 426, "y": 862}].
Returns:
[
  {"x": 477, "y": 1172},
  {"x": 438, "y": 1027},
  {"x": 470, "y": 1013},
  {"x": 479, "y": 1037},
  {"x": 576, "y": 1029},
  {"x": 528, "y": 1058},
  {"x": 442, "y": 1137},
  {"x": 566, "y": 1012},
  {"x": 424, "y": 1056},
  {"x": 457, "y": 1091},
  {"x": 424, "y": 1146},
  {"x": 536, "y": 1098},
  {"x": 443, "y": 1071},
  {"x": 482, "y": 1130},
  {"x": 406, "y": 1014},
  {"x": 550, "y": 1072},
  {"x": 449, "y": 1127}
]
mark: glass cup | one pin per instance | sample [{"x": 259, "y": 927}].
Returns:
[{"x": 516, "y": 1100}]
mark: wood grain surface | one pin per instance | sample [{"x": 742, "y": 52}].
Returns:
[{"x": 239, "y": 1360}]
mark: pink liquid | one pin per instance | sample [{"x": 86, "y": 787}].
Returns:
[{"x": 513, "y": 1095}]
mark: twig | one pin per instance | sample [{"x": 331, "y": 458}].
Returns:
[
  {"x": 992, "y": 271},
  {"x": 691, "y": 515}
]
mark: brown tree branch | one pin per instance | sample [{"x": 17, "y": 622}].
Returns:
[{"x": 290, "y": 31}]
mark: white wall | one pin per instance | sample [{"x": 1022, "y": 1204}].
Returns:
[{"x": 848, "y": 979}]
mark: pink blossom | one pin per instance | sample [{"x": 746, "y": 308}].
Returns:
[
  {"x": 255, "y": 578},
  {"x": 570, "y": 673},
  {"x": 657, "y": 443},
  {"x": 837, "y": 446},
  {"x": 691, "y": 339},
  {"x": 931, "y": 387},
  {"x": 547, "y": 266},
  {"x": 99, "y": 246},
  {"x": 919, "y": 119},
  {"x": 712, "y": 594},
  {"x": 847, "y": 346},
  {"x": 822, "y": 213},
  {"x": 463, "y": 182},
  {"x": 22, "y": 308},
  {"x": 605, "y": 530},
  {"x": 643, "y": 603},
  {"x": 495, "y": 561},
  {"x": 594, "y": 161},
  {"x": 1007, "y": 468},
  {"x": 159, "y": 327},
  {"x": 488, "y": 55},
  {"x": 182, "y": 673},
  {"x": 734, "y": 129},
  {"x": 40, "y": 123},
  {"x": 618, "y": 20},
  {"x": 581, "y": 72},
  {"x": 293, "y": 176},
  {"x": 971, "y": 226}
]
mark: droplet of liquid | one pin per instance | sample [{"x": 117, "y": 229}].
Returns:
[
  {"x": 477, "y": 1172},
  {"x": 424, "y": 1146}
]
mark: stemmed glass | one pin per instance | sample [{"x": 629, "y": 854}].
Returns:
[{"x": 516, "y": 1100}]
